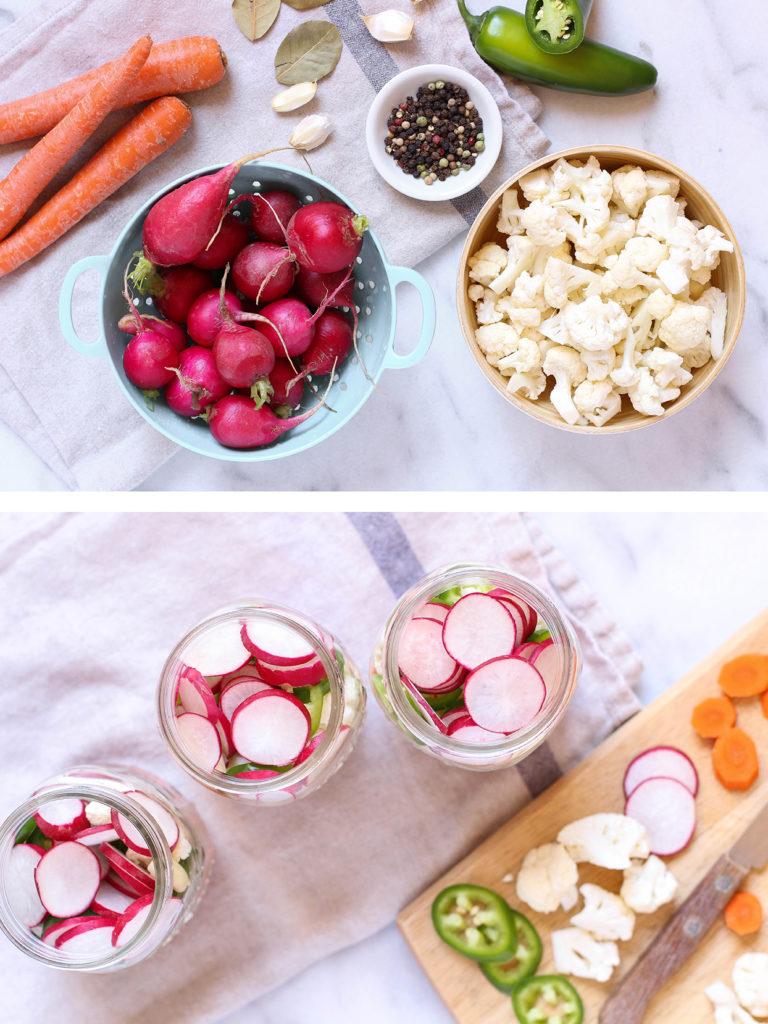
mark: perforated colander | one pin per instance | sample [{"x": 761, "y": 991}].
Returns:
[{"x": 375, "y": 284}]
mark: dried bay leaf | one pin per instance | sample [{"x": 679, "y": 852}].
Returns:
[
  {"x": 254, "y": 18},
  {"x": 308, "y": 53},
  {"x": 306, "y": 5}
]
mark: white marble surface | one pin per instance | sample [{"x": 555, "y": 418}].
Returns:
[{"x": 446, "y": 428}]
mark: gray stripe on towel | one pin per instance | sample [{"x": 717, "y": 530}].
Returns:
[
  {"x": 539, "y": 770},
  {"x": 391, "y": 550}
]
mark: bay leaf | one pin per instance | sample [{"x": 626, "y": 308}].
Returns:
[
  {"x": 254, "y": 18},
  {"x": 308, "y": 53},
  {"x": 306, "y": 5}
]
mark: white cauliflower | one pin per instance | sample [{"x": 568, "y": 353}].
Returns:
[
  {"x": 475, "y": 292},
  {"x": 519, "y": 316},
  {"x": 595, "y": 324},
  {"x": 712, "y": 242},
  {"x": 599, "y": 364},
  {"x": 487, "y": 263},
  {"x": 627, "y": 374},
  {"x": 604, "y": 914},
  {"x": 576, "y": 952},
  {"x": 525, "y": 358},
  {"x": 521, "y": 253},
  {"x": 648, "y": 886},
  {"x": 568, "y": 369},
  {"x": 97, "y": 813},
  {"x": 561, "y": 280},
  {"x": 597, "y": 401},
  {"x": 530, "y": 384},
  {"x": 667, "y": 367},
  {"x": 497, "y": 341},
  {"x": 629, "y": 189},
  {"x": 659, "y": 183},
  {"x": 544, "y": 224},
  {"x": 529, "y": 291},
  {"x": 539, "y": 184},
  {"x": 613, "y": 238},
  {"x": 547, "y": 879},
  {"x": 685, "y": 328},
  {"x": 486, "y": 311},
  {"x": 607, "y": 840},
  {"x": 622, "y": 273},
  {"x": 645, "y": 253},
  {"x": 647, "y": 396},
  {"x": 715, "y": 300},
  {"x": 750, "y": 979},
  {"x": 509, "y": 213},
  {"x": 727, "y": 1009},
  {"x": 658, "y": 218}
]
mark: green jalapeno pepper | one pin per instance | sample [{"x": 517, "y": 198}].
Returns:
[
  {"x": 557, "y": 26},
  {"x": 475, "y": 922},
  {"x": 501, "y": 38},
  {"x": 526, "y": 958},
  {"x": 547, "y": 997}
]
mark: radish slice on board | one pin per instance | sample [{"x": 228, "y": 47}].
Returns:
[
  {"x": 666, "y": 808},
  {"x": 546, "y": 659},
  {"x": 218, "y": 650},
  {"x": 233, "y": 694},
  {"x": 423, "y": 658},
  {"x": 194, "y": 693},
  {"x": 92, "y": 937},
  {"x": 276, "y": 643},
  {"x": 62, "y": 818},
  {"x": 270, "y": 728},
  {"x": 67, "y": 877},
  {"x": 200, "y": 739},
  {"x": 477, "y": 629},
  {"x": 20, "y": 883},
  {"x": 667, "y": 762},
  {"x": 140, "y": 880},
  {"x": 426, "y": 710},
  {"x": 504, "y": 694},
  {"x": 131, "y": 835},
  {"x": 110, "y": 901},
  {"x": 466, "y": 731}
]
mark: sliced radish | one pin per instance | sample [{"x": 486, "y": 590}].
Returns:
[
  {"x": 62, "y": 818},
  {"x": 276, "y": 643},
  {"x": 525, "y": 650},
  {"x": 129, "y": 924},
  {"x": 306, "y": 674},
  {"x": 504, "y": 695},
  {"x": 140, "y": 880},
  {"x": 432, "y": 610},
  {"x": 22, "y": 891},
  {"x": 131, "y": 835},
  {"x": 466, "y": 731},
  {"x": 258, "y": 773},
  {"x": 657, "y": 762},
  {"x": 95, "y": 835},
  {"x": 234, "y": 693},
  {"x": 103, "y": 862},
  {"x": 122, "y": 885},
  {"x": 54, "y": 930},
  {"x": 218, "y": 650},
  {"x": 423, "y": 658},
  {"x": 519, "y": 616},
  {"x": 450, "y": 716},
  {"x": 312, "y": 746},
  {"x": 477, "y": 629},
  {"x": 667, "y": 809},
  {"x": 200, "y": 739},
  {"x": 194, "y": 692},
  {"x": 530, "y": 618},
  {"x": 91, "y": 937},
  {"x": 424, "y": 706},
  {"x": 546, "y": 658},
  {"x": 224, "y": 729},
  {"x": 111, "y": 901},
  {"x": 270, "y": 728},
  {"x": 67, "y": 877}
]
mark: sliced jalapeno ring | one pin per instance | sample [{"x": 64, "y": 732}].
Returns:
[
  {"x": 545, "y": 998},
  {"x": 476, "y": 922},
  {"x": 504, "y": 976},
  {"x": 557, "y": 26}
]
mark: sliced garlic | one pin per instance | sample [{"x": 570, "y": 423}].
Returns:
[
  {"x": 294, "y": 97},
  {"x": 311, "y": 132},
  {"x": 389, "y": 26}
]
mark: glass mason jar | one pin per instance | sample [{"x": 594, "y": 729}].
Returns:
[
  {"x": 424, "y": 725},
  {"x": 127, "y": 869},
  {"x": 258, "y": 701}
]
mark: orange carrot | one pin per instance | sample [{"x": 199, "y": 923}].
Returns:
[
  {"x": 179, "y": 65},
  {"x": 44, "y": 160},
  {"x": 149, "y": 134},
  {"x": 744, "y": 913},
  {"x": 745, "y": 676},
  {"x": 734, "y": 758},
  {"x": 711, "y": 716}
]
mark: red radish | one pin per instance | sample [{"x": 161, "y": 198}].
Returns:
[
  {"x": 276, "y": 643},
  {"x": 218, "y": 650},
  {"x": 96, "y": 835},
  {"x": 181, "y": 223},
  {"x": 197, "y": 383},
  {"x": 194, "y": 692},
  {"x": 90, "y": 938},
  {"x": 174, "y": 332},
  {"x": 504, "y": 694},
  {"x": 244, "y": 358},
  {"x": 122, "y": 885},
  {"x": 528, "y": 615},
  {"x": 133, "y": 838},
  {"x": 292, "y": 319},
  {"x": 271, "y": 213},
  {"x": 137, "y": 879},
  {"x": 306, "y": 674},
  {"x": 666, "y": 808},
  {"x": 232, "y": 235},
  {"x": 423, "y": 658},
  {"x": 668, "y": 762},
  {"x": 205, "y": 320},
  {"x": 263, "y": 271},
  {"x": 103, "y": 862},
  {"x": 451, "y": 716},
  {"x": 312, "y": 746},
  {"x": 466, "y": 731},
  {"x": 287, "y": 392},
  {"x": 258, "y": 773},
  {"x": 325, "y": 236},
  {"x": 270, "y": 727},
  {"x": 110, "y": 901},
  {"x": 57, "y": 928},
  {"x": 67, "y": 877},
  {"x": 20, "y": 886},
  {"x": 200, "y": 740},
  {"x": 477, "y": 629},
  {"x": 432, "y": 610},
  {"x": 173, "y": 289},
  {"x": 426, "y": 710},
  {"x": 332, "y": 343},
  {"x": 224, "y": 729},
  {"x": 235, "y": 423},
  {"x": 519, "y": 617},
  {"x": 326, "y": 290},
  {"x": 548, "y": 661},
  {"x": 61, "y": 818},
  {"x": 149, "y": 360},
  {"x": 525, "y": 650},
  {"x": 130, "y": 923}
]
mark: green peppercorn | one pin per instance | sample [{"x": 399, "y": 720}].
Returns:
[
  {"x": 479, "y": 146},
  {"x": 421, "y": 121},
  {"x": 442, "y": 162},
  {"x": 439, "y": 85},
  {"x": 455, "y": 170}
]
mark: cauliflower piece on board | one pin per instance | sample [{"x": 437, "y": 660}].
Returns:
[
  {"x": 715, "y": 299},
  {"x": 629, "y": 189},
  {"x": 497, "y": 341},
  {"x": 604, "y": 914},
  {"x": 597, "y": 401},
  {"x": 726, "y": 1006},
  {"x": 561, "y": 280},
  {"x": 487, "y": 263},
  {"x": 567, "y": 367},
  {"x": 750, "y": 979},
  {"x": 607, "y": 840},
  {"x": 594, "y": 324},
  {"x": 577, "y": 953},
  {"x": 530, "y": 384},
  {"x": 648, "y": 886},
  {"x": 546, "y": 878},
  {"x": 686, "y": 327},
  {"x": 509, "y": 213}
]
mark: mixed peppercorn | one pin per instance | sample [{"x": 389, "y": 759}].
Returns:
[{"x": 435, "y": 134}]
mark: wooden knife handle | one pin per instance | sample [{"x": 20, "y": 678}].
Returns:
[{"x": 673, "y": 945}]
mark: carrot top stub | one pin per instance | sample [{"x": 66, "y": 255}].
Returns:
[
  {"x": 734, "y": 758},
  {"x": 712, "y": 716},
  {"x": 745, "y": 676},
  {"x": 744, "y": 913}
]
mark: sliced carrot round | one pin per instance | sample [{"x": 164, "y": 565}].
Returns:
[
  {"x": 745, "y": 676},
  {"x": 734, "y": 758},
  {"x": 711, "y": 716},
  {"x": 744, "y": 913}
]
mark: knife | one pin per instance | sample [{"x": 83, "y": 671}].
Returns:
[{"x": 681, "y": 935}]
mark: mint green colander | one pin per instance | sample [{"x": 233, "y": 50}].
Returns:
[{"x": 375, "y": 284}]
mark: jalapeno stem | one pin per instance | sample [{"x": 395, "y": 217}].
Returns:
[{"x": 474, "y": 22}]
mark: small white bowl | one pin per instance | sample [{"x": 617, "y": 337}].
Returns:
[{"x": 406, "y": 84}]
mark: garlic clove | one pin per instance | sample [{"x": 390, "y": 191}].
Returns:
[
  {"x": 311, "y": 132},
  {"x": 389, "y": 26},
  {"x": 294, "y": 97}
]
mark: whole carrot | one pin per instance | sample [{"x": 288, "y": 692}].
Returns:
[
  {"x": 45, "y": 159},
  {"x": 149, "y": 134},
  {"x": 179, "y": 65}
]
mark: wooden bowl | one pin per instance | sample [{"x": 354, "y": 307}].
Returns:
[{"x": 729, "y": 277}]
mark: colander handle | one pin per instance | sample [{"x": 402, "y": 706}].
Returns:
[
  {"x": 404, "y": 275},
  {"x": 94, "y": 348}
]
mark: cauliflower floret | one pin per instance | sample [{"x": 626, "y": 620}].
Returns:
[
  {"x": 648, "y": 886},
  {"x": 713, "y": 242},
  {"x": 599, "y": 365},
  {"x": 604, "y": 914},
  {"x": 658, "y": 218},
  {"x": 607, "y": 840},
  {"x": 647, "y": 396},
  {"x": 627, "y": 374},
  {"x": 686, "y": 328},
  {"x": 629, "y": 189},
  {"x": 659, "y": 183},
  {"x": 529, "y": 385},
  {"x": 497, "y": 341},
  {"x": 568, "y": 369},
  {"x": 622, "y": 274},
  {"x": 519, "y": 316},
  {"x": 183, "y": 847},
  {"x": 616, "y": 234},
  {"x": 529, "y": 291},
  {"x": 544, "y": 224},
  {"x": 547, "y": 878},
  {"x": 594, "y": 324},
  {"x": 520, "y": 256},
  {"x": 486, "y": 310},
  {"x": 525, "y": 358},
  {"x": 180, "y": 876},
  {"x": 559, "y": 252},
  {"x": 475, "y": 292},
  {"x": 539, "y": 184},
  {"x": 487, "y": 263},
  {"x": 598, "y": 402},
  {"x": 561, "y": 280},
  {"x": 750, "y": 979},
  {"x": 509, "y": 213},
  {"x": 660, "y": 304},
  {"x": 577, "y": 953},
  {"x": 667, "y": 367},
  {"x": 588, "y": 247},
  {"x": 645, "y": 253},
  {"x": 715, "y": 300},
  {"x": 98, "y": 814},
  {"x": 727, "y": 1009}
]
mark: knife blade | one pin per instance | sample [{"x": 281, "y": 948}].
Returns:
[{"x": 681, "y": 935}]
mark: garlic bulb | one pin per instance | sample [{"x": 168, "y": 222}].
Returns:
[
  {"x": 311, "y": 132},
  {"x": 389, "y": 26},
  {"x": 294, "y": 97}
]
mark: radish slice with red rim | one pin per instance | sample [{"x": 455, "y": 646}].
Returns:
[
  {"x": 528, "y": 615},
  {"x": 667, "y": 809},
  {"x": 525, "y": 650},
  {"x": 424, "y": 708},
  {"x": 658, "y": 762},
  {"x": 132, "y": 836},
  {"x": 111, "y": 901},
  {"x": 451, "y": 716},
  {"x": 312, "y": 746},
  {"x": 61, "y": 819},
  {"x": 432, "y": 610},
  {"x": 54, "y": 930},
  {"x": 129, "y": 924},
  {"x": 477, "y": 629},
  {"x": 276, "y": 643},
  {"x": 23, "y": 896},
  {"x": 422, "y": 657},
  {"x": 92, "y": 937},
  {"x": 466, "y": 731},
  {"x": 137, "y": 879},
  {"x": 121, "y": 884},
  {"x": 218, "y": 650},
  {"x": 67, "y": 878},
  {"x": 270, "y": 728},
  {"x": 504, "y": 695},
  {"x": 95, "y": 835},
  {"x": 306, "y": 674},
  {"x": 546, "y": 659},
  {"x": 234, "y": 693},
  {"x": 194, "y": 693},
  {"x": 200, "y": 740}
]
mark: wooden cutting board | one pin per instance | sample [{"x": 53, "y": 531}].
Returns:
[{"x": 596, "y": 785}]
